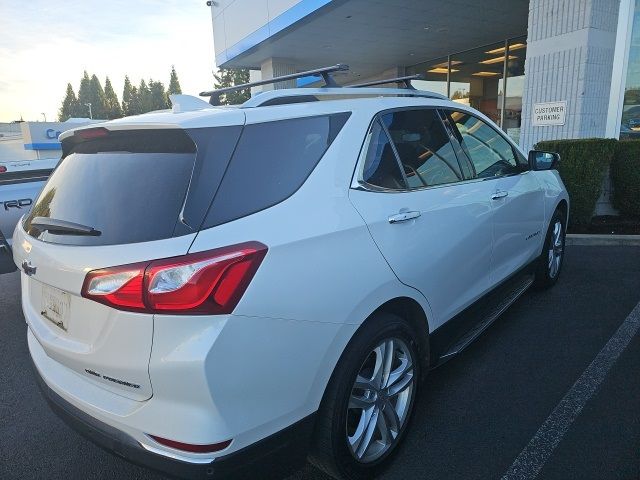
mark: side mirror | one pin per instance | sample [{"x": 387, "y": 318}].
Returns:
[{"x": 539, "y": 160}]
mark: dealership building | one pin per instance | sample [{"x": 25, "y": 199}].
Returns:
[{"x": 541, "y": 69}]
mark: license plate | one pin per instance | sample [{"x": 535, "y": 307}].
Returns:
[{"x": 56, "y": 306}]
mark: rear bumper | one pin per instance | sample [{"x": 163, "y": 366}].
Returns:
[{"x": 273, "y": 457}]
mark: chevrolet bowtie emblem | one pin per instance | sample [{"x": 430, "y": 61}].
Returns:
[{"x": 28, "y": 268}]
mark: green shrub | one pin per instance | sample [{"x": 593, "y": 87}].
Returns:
[
  {"x": 582, "y": 166},
  {"x": 625, "y": 176}
]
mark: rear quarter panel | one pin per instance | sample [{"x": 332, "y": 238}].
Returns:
[{"x": 321, "y": 278}]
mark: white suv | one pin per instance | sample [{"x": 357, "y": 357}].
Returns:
[{"x": 215, "y": 290}]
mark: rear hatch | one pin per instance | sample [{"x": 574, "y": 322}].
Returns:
[{"x": 123, "y": 192}]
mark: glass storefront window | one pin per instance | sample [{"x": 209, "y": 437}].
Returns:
[
  {"x": 435, "y": 75},
  {"x": 630, "y": 122},
  {"x": 512, "y": 114},
  {"x": 475, "y": 78}
]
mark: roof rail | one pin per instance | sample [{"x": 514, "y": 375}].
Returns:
[
  {"x": 323, "y": 72},
  {"x": 406, "y": 80},
  {"x": 293, "y": 95}
]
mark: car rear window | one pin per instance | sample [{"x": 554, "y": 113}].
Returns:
[
  {"x": 270, "y": 163},
  {"x": 129, "y": 185}
]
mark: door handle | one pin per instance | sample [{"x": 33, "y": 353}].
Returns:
[
  {"x": 403, "y": 217},
  {"x": 499, "y": 194}
]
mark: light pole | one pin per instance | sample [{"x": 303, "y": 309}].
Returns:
[
  {"x": 44, "y": 116},
  {"x": 90, "y": 114}
]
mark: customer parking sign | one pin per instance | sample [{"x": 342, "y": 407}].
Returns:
[{"x": 549, "y": 113}]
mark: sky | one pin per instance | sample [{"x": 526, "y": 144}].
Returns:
[{"x": 46, "y": 44}]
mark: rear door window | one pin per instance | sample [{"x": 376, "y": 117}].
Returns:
[
  {"x": 270, "y": 163},
  {"x": 422, "y": 143},
  {"x": 381, "y": 168},
  {"x": 129, "y": 185}
]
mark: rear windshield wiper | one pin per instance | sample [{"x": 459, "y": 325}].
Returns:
[{"x": 63, "y": 227}]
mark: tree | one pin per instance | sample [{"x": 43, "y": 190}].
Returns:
[
  {"x": 104, "y": 102},
  {"x": 134, "y": 107},
  {"x": 174, "y": 83},
  {"x": 98, "y": 100},
  {"x": 70, "y": 105},
  {"x": 228, "y": 77},
  {"x": 84, "y": 95},
  {"x": 158, "y": 96},
  {"x": 144, "y": 97},
  {"x": 460, "y": 94},
  {"x": 127, "y": 96},
  {"x": 112, "y": 104}
]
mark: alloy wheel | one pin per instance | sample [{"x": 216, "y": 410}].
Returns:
[
  {"x": 380, "y": 400},
  {"x": 556, "y": 250}
]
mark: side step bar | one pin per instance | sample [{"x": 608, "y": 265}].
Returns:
[{"x": 485, "y": 313}]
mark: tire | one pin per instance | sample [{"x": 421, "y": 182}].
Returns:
[
  {"x": 338, "y": 448},
  {"x": 552, "y": 256}
]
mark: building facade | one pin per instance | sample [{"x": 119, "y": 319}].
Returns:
[
  {"x": 27, "y": 141},
  {"x": 541, "y": 69}
]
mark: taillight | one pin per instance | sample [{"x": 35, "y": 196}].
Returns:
[
  {"x": 3, "y": 169},
  {"x": 211, "y": 282},
  {"x": 120, "y": 287}
]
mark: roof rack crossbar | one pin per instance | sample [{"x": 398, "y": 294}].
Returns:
[
  {"x": 323, "y": 72},
  {"x": 406, "y": 80}
]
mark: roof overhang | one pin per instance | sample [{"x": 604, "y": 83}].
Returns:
[{"x": 371, "y": 36}]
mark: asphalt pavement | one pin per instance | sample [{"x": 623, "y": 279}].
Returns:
[{"x": 524, "y": 393}]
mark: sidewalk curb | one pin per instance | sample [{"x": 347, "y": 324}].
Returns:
[{"x": 602, "y": 240}]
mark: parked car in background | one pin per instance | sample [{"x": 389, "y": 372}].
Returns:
[
  {"x": 298, "y": 264},
  {"x": 627, "y": 133},
  {"x": 20, "y": 184}
]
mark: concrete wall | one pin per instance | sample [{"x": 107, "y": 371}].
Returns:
[
  {"x": 235, "y": 20},
  {"x": 570, "y": 54}
]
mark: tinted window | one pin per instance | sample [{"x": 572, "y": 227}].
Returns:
[
  {"x": 270, "y": 163},
  {"x": 381, "y": 167},
  {"x": 215, "y": 147},
  {"x": 489, "y": 152},
  {"x": 129, "y": 185},
  {"x": 423, "y": 145},
  {"x": 463, "y": 160}
]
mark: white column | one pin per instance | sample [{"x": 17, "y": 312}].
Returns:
[
  {"x": 276, "y": 67},
  {"x": 570, "y": 51}
]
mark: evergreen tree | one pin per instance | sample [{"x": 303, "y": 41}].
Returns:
[
  {"x": 144, "y": 97},
  {"x": 228, "y": 77},
  {"x": 70, "y": 106},
  {"x": 159, "y": 100},
  {"x": 135, "y": 106},
  {"x": 127, "y": 96},
  {"x": 111, "y": 101},
  {"x": 174, "y": 83},
  {"x": 98, "y": 99},
  {"x": 84, "y": 96}
]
